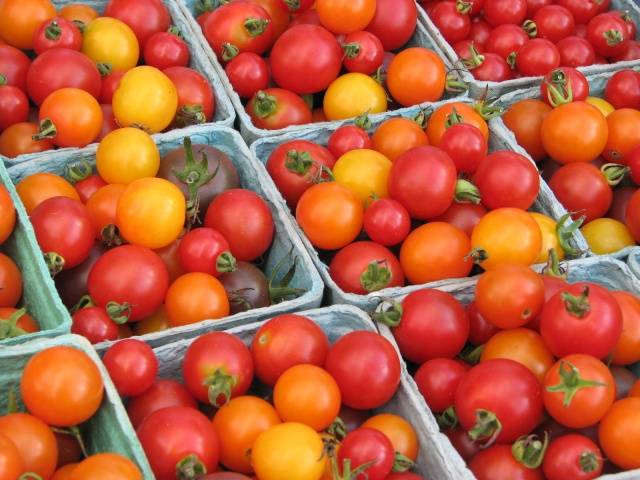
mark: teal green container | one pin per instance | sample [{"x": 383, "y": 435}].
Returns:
[
  {"x": 39, "y": 294},
  {"x": 109, "y": 430}
]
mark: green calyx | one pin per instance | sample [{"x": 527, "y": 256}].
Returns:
[
  {"x": 46, "y": 130},
  {"x": 477, "y": 255},
  {"x": 337, "y": 429},
  {"x": 104, "y": 69},
  {"x": 447, "y": 419},
  {"x": 454, "y": 118},
  {"x": 3, "y": 80},
  {"x": 78, "y": 171},
  {"x": 376, "y": 276},
  {"x": 475, "y": 58},
  {"x": 85, "y": 302},
  {"x": 566, "y": 232},
  {"x": 119, "y": 312},
  {"x": 463, "y": 7},
  {"x": 190, "y": 115},
  {"x": 219, "y": 384},
  {"x": 553, "y": 267},
  {"x": 110, "y": 236},
  {"x": 174, "y": 30},
  {"x": 298, "y": 162},
  {"x": 454, "y": 85},
  {"x": 348, "y": 472},
  {"x": 530, "y": 27},
  {"x": 589, "y": 461},
  {"x": 351, "y": 50},
  {"x": 190, "y": 468},
  {"x": 529, "y": 450},
  {"x": 402, "y": 463},
  {"x": 226, "y": 262},
  {"x": 488, "y": 110},
  {"x": 577, "y": 305},
  {"x": 264, "y": 105},
  {"x": 389, "y": 313},
  {"x": 466, "y": 192},
  {"x": 255, "y": 26},
  {"x": 53, "y": 31},
  {"x": 613, "y": 37},
  {"x": 229, "y": 51},
  {"x": 559, "y": 89},
  {"x": 487, "y": 427},
  {"x": 55, "y": 263},
  {"x": 9, "y": 326},
  {"x": 205, "y": 6},
  {"x": 363, "y": 121},
  {"x": 30, "y": 476},
  {"x": 423, "y": 117},
  {"x": 280, "y": 290},
  {"x": 471, "y": 354},
  {"x": 614, "y": 173},
  {"x": 571, "y": 382}
]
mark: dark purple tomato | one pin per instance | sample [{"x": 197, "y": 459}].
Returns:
[{"x": 247, "y": 287}]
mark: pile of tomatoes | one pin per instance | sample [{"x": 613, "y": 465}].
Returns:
[
  {"x": 61, "y": 388},
  {"x": 589, "y": 149},
  {"x": 535, "y": 344},
  {"x": 128, "y": 237},
  {"x": 84, "y": 81},
  {"x": 316, "y": 423},
  {"x": 324, "y": 63},
  {"x": 498, "y": 40},
  {"x": 414, "y": 204}
]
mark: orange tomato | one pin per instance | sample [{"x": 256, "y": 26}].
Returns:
[
  {"x": 7, "y": 214},
  {"x": 624, "y": 134},
  {"x": 400, "y": 432},
  {"x": 524, "y": 119},
  {"x": 627, "y": 350},
  {"x": 635, "y": 390},
  {"x": 11, "y": 467},
  {"x": 504, "y": 236},
  {"x": 345, "y": 16},
  {"x": 19, "y": 20},
  {"x": 18, "y": 140},
  {"x": 106, "y": 466},
  {"x": 437, "y": 124},
  {"x": 416, "y": 75},
  {"x": 238, "y": 424},
  {"x": 520, "y": 345},
  {"x": 574, "y": 132},
  {"x": 398, "y": 135},
  {"x": 330, "y": 215},
  {"x": 36, "y": 188},
  {"x": 619, "y": 433},
  {"x": 156, "y": 322},
  {"x": 195, "y": 297},
  {"x": 435, "y": 251},
  {"x": 79, "y": 12},
  {"x": 307, "y": 394},
  {"x": 64, "y": 473},
  {"x": 10, "y": 282},
  {"x": 102, "y": 206}
]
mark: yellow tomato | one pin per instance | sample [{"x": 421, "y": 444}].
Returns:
[
  {"x": 151, "y": 212},
  {"x": 548, "y": 228},
  {"x": 146, "y": 98},
  {"x": 606, "y": 235},
  {"x": 156, "y": 322},
  {"x": 127, "y": 154},
  {"x": 601, "y": 104},
  {"x": 364, "y": 171},
  {"x": 289, "y": 450},
  {"x": 352, "y": 95},
  {"x": 110, "y": 41}
]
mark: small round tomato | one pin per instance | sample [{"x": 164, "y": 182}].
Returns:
[
  {"x": 57, "y": 33},
  {"x": 437, "y": 380},
  {"x": 506, "y": 235},
  {"x": 330, "y": 215},
  {"x": 366, "y": 446},
  {"x": 440, "y": 119},
  {"x": 499, "y": 12},
  {"x": 453, "y": 22},
  {"x": 14, "y": 106},
  {"x": 132, "y": 366},
  {"x": 524, "y": 118},
  {"x": 166, "y": 49},
  {"x": 345, "y": 17},
  {"x": 196, "y": 100},
  {"x": 363, "y": 52},
  {"x": 11, "y": 465},
  {"x": 17, "y": 139},
  {"x": 127, "y": 154},
  {"x": 632, "y": 215},
  {"x": 62, "y": 386},
  {"x": 11, "y": 281},
  {"x": 276, "y": 108},
  {"x": 601, "y": 104},
  {"x": 575, "y": 52},
  {"x": 387, "y": 222},
  {"x": 627, "y": 349},
  {"x": 205, "y": 250},
  {"x": 106, "y": 466},
  {"x": 466, "y": 146},
  {"x": 505, "y": 40},
  {"x": 480, "y": 330},
  {"x": 578, "y": 391},
  {"x": 95, "y": 324},
  {"x": 20, "y": 19},
  {"x": 416, "y": 75},
  {"x": 572, "y": 456},
  {"x": 7, "y": 214},
  {"x": 146, "y": 98},
  {"x": 394, "y": 22},
  {"x": 623, "y": 137},
  {"x": 498, "y": 461},
  {"x": 464, "y": 216},
  {"x": 144, "y": 17},
  {"x": 400, "y": 432},
  {"x": 34, "y": 440},
  {"x": 608, "y": 34},
  {"x": 352, "y": 95},
  {"x": 195, "y": 297},
  {"x": 14, "y": 66},
  {"x": 550, "y": 237},
  {"x": 606, "y": 235},
  {"x": 365, "y": 172},
  {"x": 623, "y": 89},
  {"x": 248, "y": 73},
  {"x": 537, "y": 57},
  {"x": 396, "y": 136},
  {"x": 79, "y": 12},
  {"x": 161, "y": 394},
  {"x": 35, "y": 189},
  {"x": 110, "y": 41},
  {"x": 619, "y": 433},
  {"x": 554, "y": 23},
  {"x": 435, "y": 251},
  {"x": 563, "y": 85}
]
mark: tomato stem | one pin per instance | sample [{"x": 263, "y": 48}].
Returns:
[
  {"x": 463, "y": 7},
  {"x": 226, "y": 262},
  {"x": 78, "y": 171},
  {"x": 487, "y": 427},
  {"x": 475, "y": 59},
  {"x": 119, "y": 312},
  {"x": 9, "y": 326},
  {"x": 571, "y": 382},
  {"x": 454, "y": 118},
  {"x": 553, "y": 268},
  {"x": 613, "y": 37},
  {"x": 174, "y": 30},
  {"x": 53, "y": 31},
  {"x": 559, "y": 89},
  {"x": 363, "y": 121},
  {"x": 447, "y": 419},
  {"x": 477, "y": 255},
  {"x": 73, "y": 432},
  {"x": 614, "y": 173},
  {"x": 30, "y": 476},
  {"x": 529, "y": 450},
  {"x": 205, "y": 6},
  {"x": 402, "y": 463},
  {"x": 219, "y": 385},
  {"x": 104, "y": 69},
  {"x": 256, "y": 26},
  {"x": 389, "y": 313},
  {"x": 110, "y": 236},
  {"x": 511, "y": 60},
  {"x": 466, "y": 192},
  {"x": 229, "y": 51},
  {"x": 3, "y": 80},
  {"x": 376, "y": 276},
  {"x": 264, "y": 104},
  {"x": 55, "y": 263},
  {"x": 565, "y": 233},
  {"x": 423, "y": 117},
  {"x": 578, "y": 306},
  {"x": 190, "y": 468},
  {"x": 293, "y": 5},
  {"x": 530, "y": 27},
  {"x": 84, "y": 302},
  {"x": 454, "y": 85},
  {"x": 337, "y": 429},
  {"x": 351, "y": 50},
  {"x": 589, "y": 461},
  {"x": 46, "y": 130},
  {"x": 487, "y": 110},
  {"x": 190, "y": 115},
  {"x": 471, "y": 354}
]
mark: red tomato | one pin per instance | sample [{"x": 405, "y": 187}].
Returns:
[
  {"x": 166, "y": 49},
  {"x": 575, "y": 52},
  {"x": 572, "y": 456},
  {"x": 489, "y": 67},
  {"x": 88, "y": 186},
  {"x": 366, "y": 367},
  {"x": 145, "y": 17},
  {"x": 387, "y": 222},
  {"x": 196, "y": 102},
  {"x": 347, "y": 138},
  {"x": 582, "y": 11},
  {"x": 275, "y": 108},
  {"x": 368, "y": 446},
  {"x": 608, "y": 34},
  {"x": 454, "y": 25},
  {"x": 480, "y": 31},
  {"x": 498, "y": 462},
  {"x": 205, "y": 250},
  {"x": 466, "y": 146},
  {"x": 537, "y": 57},
  {"x": 57, "y": 33},
  {"x": 505, "y": 40},
  {"x": 437, "y": 380},
  {"x": 480, "y": 330},
  {"x": 14, "y": 65},
  {"x": 394, "y": 22},
  {"x": 623, "y": 89},
  {"x": 132, "y": 366},
  {"x": 248, "y": 74},
  {"x": 500, "y": 12},
  {"x": 109, "y": 85},
  {"x": 464, "y": 216},
  {"x": 95, "y": 324},
  {"x": 460, "y": 440},
  {"x": 564, "y": 85},
  {"x": 161, "y": 394},
  {"x": 14, "y": 106},
  {"x": 554, "y": 22},
  {"x": 363, "y": 52}
]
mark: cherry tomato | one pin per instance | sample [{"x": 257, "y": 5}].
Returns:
[
  {"x": 345, "y": 17},
  {"x": 622, "y": 138},
  {"x": 400, "y": 432},
  {"x": 605, "y": 235},
  {"x": 460, "y": 440},
  {"x": 575, "y": 52},
  {"x": 623, "y": 89},
  {"x": 626, "y": 350},
  {"x": 11, "y": 282},
  {"x": 110, "y": 84},
  {"x": 437, "y": 380},
  {"x": 554, "y": 23},
  {"x": 18, "y": 140},
  {"x": 563, "y": 85},
  {"x": 537, "y": 57},
  {"x": 161, "y": 394},
  {"x": 499, "y": 12},
  {"x": 248, "y": 74},
  {"x": 439, "y": 119},
  {"x": 57, "y": 33},
  {"x": 489, "y": 66},
  {"x": 394, "y": 22},
  {"x": 102, "y": 207},
  {"x": 619, "y": 433},
  {"x": 275, "y": 108},
  {"x": 34, "y": 441},
  {"x": 396, "y": 136},
  {"x": 572, "y": 456},
  {"x": 368, "y": 446},
  {"x": 416, "y": 75},
  {"x": 106, "y": 466},
  {"x": 205, "y": 250},
  {"x": 196, "y": 101},
  {"x": 505, "y": 40},
  {"x": 110, "y": 41},
  {"x": 132, "y": 366},
  {"x": 524, "y": 118},
  {"x": 480, "y": 31},
  {"x": 387, "y": 222},
  {"x": 464, "y": 216},
  {"x": 353, "y": 95},
  {"x": 454, "y": 23},
  {"x": 194, "y": 297},
  {"x": 14, "y": 106},
  {"x": 608, "y": 34},
  {"x": 581, "y": 11},
  {"x": 498, "y": 462},
  {"x": 95, "y": 324},
  {"x": 480, "y": 330},
  {"x": 363, "y": 52},
  {"x": 166, "y": 49},
  {"x": 127, "y": 154},
  {"x": 19, "y": 20},
  {"x": 466, "y": 146},
  {"x": 11, "y": 465},
  {"x": 347, "y": 138},
  {"x": 87, "y": 186},
  {"x": 144, "y": 17},
  {"x": 78, "y": 11}
]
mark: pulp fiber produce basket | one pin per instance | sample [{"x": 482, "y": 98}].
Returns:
[
  {"x": 479, "y": 88},
  {"x": 285, "y": 251},
  {"x": 605, "y": 270},
  {"x": 109, "y": 430},
  {"x": 499, "y": 139},
  {"x": 39, "y": 294},
  {"x": 250, "y": 132},
  {"x": 436, "y": 459},
  {"x": 224, "y": 113},
  {"x": 597, "y": 84}
]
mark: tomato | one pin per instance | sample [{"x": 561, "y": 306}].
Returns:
[
  {"x": 157, "y": 321},
  {"x": 572, "y": 456},
  {"x": 178, "y": 440},
  {"x": 460, "y": 440},
  {"x": 196, "y": 101},
  {"x": 289, "y": 450},
  {"x": 352, "y": 95},
  {"x": 480, "y": 330},
  {"x": 57, "y": 33},
  {"x": 563, "y": 85},
  {"x": 88, "y": 185},
  {"x": 106, "y": 466},
  {"x": 102, "y": 207},
  {"x": 499, "y": 462},
  {"x": 488, "y": 66},
  {"x": 581, "y": 11},
  {"x": 166, "y": 49},
  {"x": 464, "y": 216},
  {"x": 11, "y": 465},
  {"x": 127, "y": 154},
  {"x": 306, "y": 59},
  {"x": 554, "y": 23},
  {"x": 62, "y": 386},
  {"x": 605, "y": 235},
  {"x": 14, "y": 106},
  {"x": 578, "y": 391},
  {"x": 582, "y": 188},
  {"x": 161, "y": 394},
  {"x": 195, "y": 297},
  {"x": 623, "y": 136},
  {"x": 144, "y": 17},
  {"x": 21, "y": 322},
  {"x": 115, "y": 277},
  {"x": 109, "y": 41},
  {"x": 480, "y": 31},
  {"x": 363, "y": 52},
  {"x": 499, "y": 12},
  {"x": 11, "y": 282},
  {"x": 34, "y": 441},
  {"x": 400, "y": 432},
  {"x": 437, "y": 380},
  {"x": 247, "y": 288},
  {"x": 65, "y": 232},
  {"x": 623, "y": 89},
  {"x": 524, "y": 118},
  {"x": 550, "y": 237},
  {"x": 364, "y": 361},
  {"x": 275, "y": 108},
  {"x": 205, "y": 250},
  {"x": 387, "y": 222},
  {"x": 296, "y": 165},
  {"x": 626, "y": 350},
  {"x": 274, "y": 350},
  {"x": 632, "y": 215},
  {"x": 393, "y": 22},
  {"x": 347, "y": 138},
  {"x": 20, "y": 19},
  {"x": 330, "y": 215},
  {"x": 366, "y": 446},
  {"x": 619, "y": 433},
  {"x": 506, "y": 235},
  {"x": 238, "y": 424},
  {"x": 435, "y": 251},
  {"x": 95, "y": 324},
  {"x": 146, "y": 98},
  {"x": 416, "y": 75},
  {"x": 437, "y": 123},
  {"x": 78, "y": 11},
  {"x": 621, "y": 197},
  {"x": 35, "y": 189},
  {"x": 350, "y": 169},
  {"x": 608, "y": 34},
  {"x": 365, "y": 267},
  {"x": 70, "y": 117},
  {"x": 537, "y": 57},
  {"x": 14, "y": 65},
  {"x": 248, "y": 73},
  {"x": 466, "y": 146},
  {"x": 345, "y": 17},
  {"x": 505, "y": 40},
  {"x": 498, "y": 401},
  {"x": 132, "y": 366},
  {"x": 575, "y": 52},
  {"x": 454, "y": 23},
  {"x": 396, "y": 136}
]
